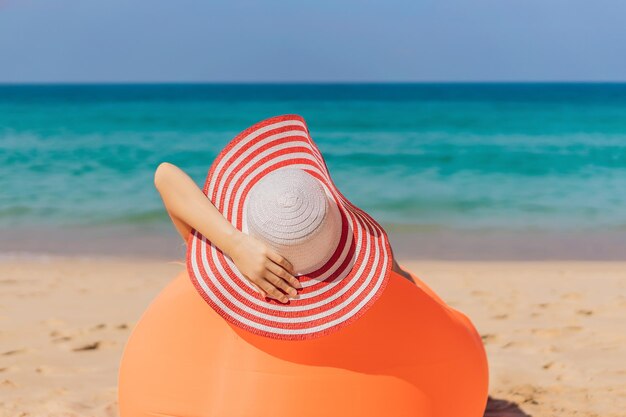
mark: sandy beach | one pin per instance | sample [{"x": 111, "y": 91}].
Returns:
[{"x": 554, "y": 331}]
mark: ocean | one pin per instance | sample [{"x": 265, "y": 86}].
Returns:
[{"x": 423, "y": 157}]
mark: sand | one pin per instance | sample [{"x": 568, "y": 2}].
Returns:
[{"x": 555, "y": 332}]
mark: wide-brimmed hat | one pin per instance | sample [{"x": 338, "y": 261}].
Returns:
[{"x": 272, "y": 182}]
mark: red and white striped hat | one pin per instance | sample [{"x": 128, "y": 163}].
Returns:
[{"x": 271, "y": 181}]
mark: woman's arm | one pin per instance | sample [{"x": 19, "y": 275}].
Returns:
[
  {"x": 396, "y": 268},
  {"x": 189, "y": 208}
]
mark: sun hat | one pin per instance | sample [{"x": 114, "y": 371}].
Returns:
[{"x": 272, "y": 182}]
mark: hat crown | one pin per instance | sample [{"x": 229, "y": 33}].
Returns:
[{"x": 291, "y": 211}]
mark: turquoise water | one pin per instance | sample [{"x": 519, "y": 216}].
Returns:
[{"x": 431, "y": 156}]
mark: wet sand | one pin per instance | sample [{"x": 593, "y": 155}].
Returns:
[
  {"x": 555, "y": 332},
  {"x": 409, "y": 242}
]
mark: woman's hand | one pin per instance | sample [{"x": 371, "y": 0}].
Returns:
[
  {"x": 263, "y": 267},
  {"x": 190, "y": 209}
]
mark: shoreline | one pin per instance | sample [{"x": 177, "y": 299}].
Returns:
[{"x": 162, "y": 243}]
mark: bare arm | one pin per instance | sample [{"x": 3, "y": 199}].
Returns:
[
  {"x": 396, "y": 268},
  {"x": 189, "y": 208}
]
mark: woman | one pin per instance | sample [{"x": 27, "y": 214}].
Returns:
[
  {"x": 303, "y": 311},
  {"x": 189, "y": 209}
]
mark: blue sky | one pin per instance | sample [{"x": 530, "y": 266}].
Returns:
[{"x": 392, "y": 40}]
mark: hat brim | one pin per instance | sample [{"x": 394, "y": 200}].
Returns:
[{"x": 334, "y": 295}]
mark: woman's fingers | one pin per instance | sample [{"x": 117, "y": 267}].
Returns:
[
  {"x": 278, "y": 282},
  {"x": 279, "y": 260},
  {"x": 259, "y": 289},
  {"x": 272, "y": 291},
  {"x": 280, "y": 272}
]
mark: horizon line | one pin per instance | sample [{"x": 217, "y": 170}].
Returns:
[{"x": 423, "y": 82}]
